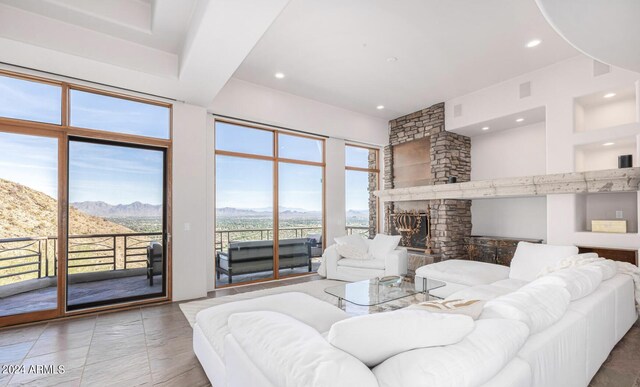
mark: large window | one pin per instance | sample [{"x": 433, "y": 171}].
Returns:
[
  {"x": 269, "y": 203},
  {"x": 83, "y": 199},
  {"x": 361, "y": 180}
]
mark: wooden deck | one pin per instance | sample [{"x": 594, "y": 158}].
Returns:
[{"x": 80, "y": 293}]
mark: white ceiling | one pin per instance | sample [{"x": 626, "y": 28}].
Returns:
[
  {"x": 336, "y": 51},
  {"x": 182, "y": 49},
  {"x": 162, "y": 25},
  {"x": 333, "y": 51},
  {"x": 605, "y": 30}
]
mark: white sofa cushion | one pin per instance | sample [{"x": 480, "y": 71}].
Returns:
[
  {"x": 376, "y": 337},
  {"x": 317, "y": 314},
  {"x": 291, "y": 354},
  {"x": 471, "y": 362},
  {"x": 464, "y": 272},
  {"x": 363, "y": 263},
  {"x": 382, "y": 245},
  {"x": 539, "y": 305},
  {"x": 479, "y": 292},
  {"x": 579, "y": 281},
  {"x": 531, "y": 258},
  {"x": 490, "y": 291}
]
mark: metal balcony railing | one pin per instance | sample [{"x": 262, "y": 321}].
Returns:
[{"x": 37, "y": 257}]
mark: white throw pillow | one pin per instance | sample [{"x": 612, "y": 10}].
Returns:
[
  {"x": 290, "y": 353},
  {"x": 538, "y": 304},
  {"x": 353, "y": 240},
  {"x": 374, "y": 338},
  {"x": 579, "y": 281},
  {"x": 382, "y": 245},
  {"x": 471, "y": 308},
  {"x": 608, "y": 267},
  {"x": 353, "y": 252},
  {"x": 531, "y": 258}
]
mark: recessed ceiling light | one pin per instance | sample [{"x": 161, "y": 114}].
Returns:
[
  {"x": 392, "y": 59},
  {"x": 380, "y": 107},
  {"x": 534, "y": 43},
  {"x": 279, "y": 75},
  {"x": 485, "y": 128},
  {"x": 609, "y": 95},
  {"x": 520, "y": 120},
  {"x": 608, "y": 143}
]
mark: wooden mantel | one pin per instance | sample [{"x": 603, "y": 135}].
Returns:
[{"x": 610, "y": 180}]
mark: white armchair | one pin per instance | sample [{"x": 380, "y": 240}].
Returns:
[{"x": 337, "y": 267}]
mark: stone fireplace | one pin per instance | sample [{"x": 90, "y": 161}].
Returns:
[{"x": 427, "y": 155}]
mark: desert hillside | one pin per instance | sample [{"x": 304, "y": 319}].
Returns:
[{"x": 25, "y": 212}]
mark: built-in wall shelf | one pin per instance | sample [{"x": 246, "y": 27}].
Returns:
[
  {"x": 611, "y": 180},
  {"x": 604, "y": 154},
  {"x": 606, "y": 109},
  {"x": 607, "y": 206}
]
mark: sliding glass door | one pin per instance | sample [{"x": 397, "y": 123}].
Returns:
[
  {"x": 269, "y": 204},
  {"x": 29, "y": 206},
  {"x": 117, "y": 206},
  {"x": 84, "y": 210}
]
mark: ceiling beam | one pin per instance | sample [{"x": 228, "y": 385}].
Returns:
[{"x": 223, "y": 33}]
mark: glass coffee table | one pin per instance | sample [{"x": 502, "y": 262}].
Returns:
[{"x": 371, "y": 292}]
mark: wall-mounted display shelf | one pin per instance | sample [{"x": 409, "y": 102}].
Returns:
[
  {"x": 605, "y": 109},
  {"x": 604, "y": 154},
  {"x": 607, "y": 206}
]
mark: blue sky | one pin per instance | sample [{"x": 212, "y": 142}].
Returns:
[
  {"x": 115, "y": 175},
  {"x": 101, "y": 112},
  {"x": 30, "y": 161},
  {"x": 30, "y": 100},
  {"x": 247, "y": 183}
]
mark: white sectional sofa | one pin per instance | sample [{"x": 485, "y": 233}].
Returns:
[{"x": 553, "y": 331}]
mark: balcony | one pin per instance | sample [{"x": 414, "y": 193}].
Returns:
[
  {"x": 101, "y": 267},
  {"x": 110, "y": 266}
]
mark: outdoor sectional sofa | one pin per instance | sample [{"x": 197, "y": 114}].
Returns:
[
  {"x": 556, "y": 330},
  {"x": 257, "y": 256}
]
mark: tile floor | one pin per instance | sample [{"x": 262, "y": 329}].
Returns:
[{"x": 152, "y": 346}]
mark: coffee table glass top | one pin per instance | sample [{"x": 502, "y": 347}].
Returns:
[{"x": 370, "y": 292}]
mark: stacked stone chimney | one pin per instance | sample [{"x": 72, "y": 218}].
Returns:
[{"x": 450, "y": 155}]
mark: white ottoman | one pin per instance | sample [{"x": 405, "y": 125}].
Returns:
[{"x": 459, "y": 274}]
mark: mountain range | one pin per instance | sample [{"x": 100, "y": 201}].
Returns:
[
  {"x": 106, "y": 210},
  {"x": 285, "y": 212},
  {"x": 26, "y": 212}
]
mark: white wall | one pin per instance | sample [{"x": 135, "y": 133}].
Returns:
[
  {"x": 189, "y": 202},
  {"x": 510, "y": 217},
  {"x": 335, "y": 190},
  {"x": 509, "y": 153},
  {"x": 606, "y": 115},
  {"x": 249, "y": 101},
  {"x": 515, "y": 152},
  {"x": 555, "y": 88}
]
